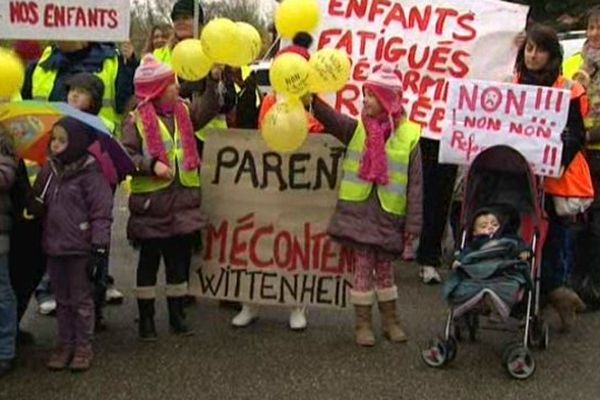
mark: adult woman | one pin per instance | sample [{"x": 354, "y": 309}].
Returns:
[
  {"x": 159, "y": 37},
  {"x": 539, "y": 63},
  {"x": 585, "y": 68}
]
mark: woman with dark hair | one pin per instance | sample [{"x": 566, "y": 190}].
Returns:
[
  {"x": 585, "y": 68},
  {"x": 160, "y": 36},
  {"x": 539, "y": 62}
]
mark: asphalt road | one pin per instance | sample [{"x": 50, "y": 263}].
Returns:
[{"x": 267, "y": 361}]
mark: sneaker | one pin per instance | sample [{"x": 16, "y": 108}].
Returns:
[
  {"x": 113, "y": 296},
  {"x": 47, "y": 307},
  {"x": 430, "y": 276},
  {"x": 247, "y": 316},
  {"x": 298, "y": 319}
]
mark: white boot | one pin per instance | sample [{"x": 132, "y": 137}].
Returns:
[
  {"x": 247, "y": 316},
  {"x": 298, "y": 318},
  {"x": 430, "y": 275}
]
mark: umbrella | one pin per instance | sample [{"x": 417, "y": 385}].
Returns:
[{"x": 30, "y": 124}]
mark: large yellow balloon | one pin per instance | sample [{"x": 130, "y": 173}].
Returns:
[
  {"x": 330, "y": 70},
  {"x": 289, "y": 75},
  {"x": 221, "y": 41},
  {"x": 12, "y": 74},
  {"x": 189, "y": 61},
  {"x": 295, "y": 16},
  {"x": 285, "y": 127},
  {"x": 251, "y": 50}
]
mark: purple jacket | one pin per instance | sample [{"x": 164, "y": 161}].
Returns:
[{"x": 76, "y": 203}]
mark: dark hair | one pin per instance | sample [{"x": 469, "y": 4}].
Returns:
[
  {"x": 546, "y": 38},
  {"x": 593, "y": 13},
  {"x": 303, "y": 39}
]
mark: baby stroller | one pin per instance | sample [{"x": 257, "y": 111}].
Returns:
[{"x": 500, "y": 177}]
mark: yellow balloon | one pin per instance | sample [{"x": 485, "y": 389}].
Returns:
[
  {"x": 295, "y": 16},
  {"x": 189, "y": 61},
  {"x": 251, "y": 50},
  {"x": 285, "y": 126},
  {"x": 289, "y": 75},
  {"x": 12, "y": 73},
  {"x": 221, "y": 41},
  {"x": 331, "y": 70}
]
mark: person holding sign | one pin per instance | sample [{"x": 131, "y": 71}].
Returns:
[
  {"x": 539, "y": 63},
  {"x": 165, "y": 191},
  {"x": 585, "y": 68},
  {"x": 380, "y": 200}
]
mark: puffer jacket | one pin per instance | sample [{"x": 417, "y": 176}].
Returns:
[{"x": 76, "y": 204}]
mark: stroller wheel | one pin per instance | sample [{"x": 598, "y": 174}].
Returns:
[
  {"x": 545, "y": 339},
  {"x": 436, "y": 354},
  {"x": 472, "y": 321},
  {"x": 452, "y": 347},
  {"x": 519, "y": 362},
  {"x": 539, "y": 335},
  {"x": 508, "y": 349}
]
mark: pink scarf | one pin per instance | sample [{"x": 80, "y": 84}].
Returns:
[
  {"x": 156, "y": 147},
  {"x": 374, "y": 165}
]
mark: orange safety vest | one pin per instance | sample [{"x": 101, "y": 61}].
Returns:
[{"x": 314, "y": 126}]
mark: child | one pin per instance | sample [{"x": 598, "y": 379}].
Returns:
[
  {"x": 75, "y": 201},
  {"x": 491, "y": 269},
  {"x": 85, "y": 92},
  {"x": 8, "y": 303},
  {"x": 165, "y": 200},
  {"x": 379, "y": 205}
]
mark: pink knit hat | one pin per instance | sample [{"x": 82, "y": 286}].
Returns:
[
  {"x": 387, "y": 87},
  {"x": 152, "y": 78}
]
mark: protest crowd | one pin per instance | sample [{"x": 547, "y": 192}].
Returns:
[{"x": 149, "y": 126}]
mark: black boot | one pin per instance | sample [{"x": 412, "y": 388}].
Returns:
[
  {"x": 147, "y": 331},
  {"x": 177, "y": 317}
]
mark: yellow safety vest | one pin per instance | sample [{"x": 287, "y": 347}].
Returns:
[
  {"x": 43, "y": 83},
  {"x": 218, "y": 122},
  {"x": 393, "y": 196},
  {"x": 174, "y": 149},
  {"x": 163, "y": 54},
  {"x": 570, "y": 67}
]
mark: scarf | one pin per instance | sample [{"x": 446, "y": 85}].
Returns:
[
  {"x": 374, "y": 165},
  {"x": 591, "y": 65},
  {"x": 149, "y": 116}
]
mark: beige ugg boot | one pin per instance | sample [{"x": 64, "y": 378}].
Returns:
[
  {"x": 363, "y": 330},
  {"x": 389, "y": 322},
  {"x": 566, "y": 303}
]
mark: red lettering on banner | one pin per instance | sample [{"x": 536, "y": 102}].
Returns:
[
  {"x": 22, "y": 12},
  {"x": 113, "y": 19},
  {"x": 443, "y": 14},
  {"x": 286, "y": 253},
  {"x": 334, "y": 9},
  {"x": 238, "y": 245},
  {"x": 378, "y": 8},
  {"x": 347, "y": 98},
  {"x": 464, "y": 21},
  {"x": 213, "y": 235},
  {"x": 254, "y": 244}
]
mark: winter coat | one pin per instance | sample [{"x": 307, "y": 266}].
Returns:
[
  {"x": 76, "y": 204},
  {"x": 366, "y": 225},
  {"x": 8, "y": 167},
  {"x": 175, "y": 210}
]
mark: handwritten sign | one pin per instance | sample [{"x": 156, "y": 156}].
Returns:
[
  {"x": 87, "y": 20},
  {"x": 528, "y": 118},
  {"x": 268, "y": 213},
  {"x": 427, "y": 42}
]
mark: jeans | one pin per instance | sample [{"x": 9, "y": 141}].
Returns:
[
  {"x": 43, "y": 292},
  {"x": 554, "y": 256},
  {"x": 8, "y": 312}
]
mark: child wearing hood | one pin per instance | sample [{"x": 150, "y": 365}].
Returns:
[
  {"x": 380, "y": 201},
  {"x": 75, "y": 202}
]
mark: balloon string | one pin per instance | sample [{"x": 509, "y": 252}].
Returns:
[{"x": 275, "y": 43}]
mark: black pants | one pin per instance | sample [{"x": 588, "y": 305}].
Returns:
[
  {"x": 177, "y": 253},
  {"x": 27, "y": 261},
  {"x": 438, "y": 185}
]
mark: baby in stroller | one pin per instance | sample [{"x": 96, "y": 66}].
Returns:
[{"x": 491, "y": 273}]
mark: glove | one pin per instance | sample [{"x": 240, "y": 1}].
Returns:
[{"x": 98, "y": 259}]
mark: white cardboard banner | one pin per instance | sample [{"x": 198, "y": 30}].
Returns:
[
  {"x": 266, "y": 240},
  {"x": 86, "y": 20},
  {"x": 527, "y": 118},
  {"x": 427, "y": 42}
]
